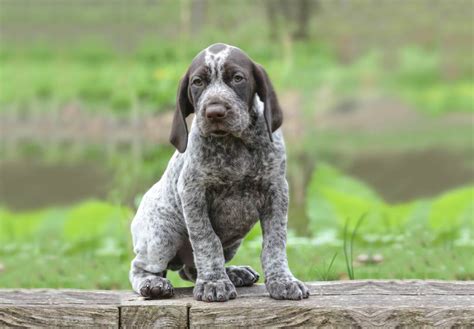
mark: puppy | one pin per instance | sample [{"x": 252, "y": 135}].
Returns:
[{"x": 226, "y": 175}]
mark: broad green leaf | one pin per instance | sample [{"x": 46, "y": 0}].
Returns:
[
  {"x": 334, "y": 198},
  {"x": 453, "y": 209},
  {"x": 22, "y": 225},
  {"x": 94, "y": 218}
]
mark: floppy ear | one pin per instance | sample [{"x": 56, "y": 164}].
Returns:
[
  {"x": 179, "y": 129},
  {"x": 272, "y": 110}
]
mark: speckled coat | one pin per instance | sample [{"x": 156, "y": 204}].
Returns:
[{"x": 226, "y": 176}]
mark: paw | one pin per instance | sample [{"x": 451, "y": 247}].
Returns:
[
  {"x": 242, "y": 276},
  {"x": 214, "y": 291},
  {"x": 287, "y": 288},
  {"x": 156, "y": 287}
]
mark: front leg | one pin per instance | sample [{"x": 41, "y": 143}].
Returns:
[
  {"x": 212, "y": 283},
  {"x": 280, "y": 282}
]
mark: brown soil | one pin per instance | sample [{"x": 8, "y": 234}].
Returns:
[
  {"x": 404, "y": 176},
  {"x": 27, "y": 185}
]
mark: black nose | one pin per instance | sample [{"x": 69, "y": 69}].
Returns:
[{"x": 216, "y": 111}]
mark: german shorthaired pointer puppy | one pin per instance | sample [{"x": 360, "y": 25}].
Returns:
[{"x": 228, "y": 174}]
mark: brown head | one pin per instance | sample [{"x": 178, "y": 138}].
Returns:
[{"x": 220, "y": 87}]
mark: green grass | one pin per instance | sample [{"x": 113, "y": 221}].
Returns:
[
  {"x": 348, "y": 246},
  {"x": 143, "y": 68},
  {"x": 55, "y": 263},
  {"x": 103, "y": 81},
  {"x": 89, "y": 245}
]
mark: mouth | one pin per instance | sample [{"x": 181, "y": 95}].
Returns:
[{"x": 219, "y": 133}]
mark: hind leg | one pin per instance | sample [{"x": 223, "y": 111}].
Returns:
[
  {"x": 157, "y": 239},
  {"x": 241, "y": 276},
  {"x": 150, "y": 285}
]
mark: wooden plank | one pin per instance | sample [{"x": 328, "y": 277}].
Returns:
[
  {"x": 154, "y": 316},
  {"x": 363, "y": 287},
  {"x": 59, "y": 316},
  {"x": 58, "y": 308},
  {"x": 347, "y": 311},
  {"x": 341, "y": 303},
  {"x": 367, "y": 304},
  {"x": 58, "y": 297},
  {"x": 392, "y": 287},
  {"x": 136, "y": 312}
]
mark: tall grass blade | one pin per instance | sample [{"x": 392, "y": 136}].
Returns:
[
  {"x": 346, "y": 254},
  {"x": 348, "y": 249},
  {"x": 330, "y": 266}
]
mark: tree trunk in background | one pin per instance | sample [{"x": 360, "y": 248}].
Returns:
[
  {"x": 192, "y": 16},
  {"x": 272, "y": 16},
  {"x": 289, "y": 16},
  {"x": 302, "y": 17},
  {"x": 185, "y": 17},
  {"x": 198, "y": 15}
]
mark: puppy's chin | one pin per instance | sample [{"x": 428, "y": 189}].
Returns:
[
  {"x": 215, "y": 130},
  {"x": 214, "y": 133},
  {"x": 219, "y": 133}
]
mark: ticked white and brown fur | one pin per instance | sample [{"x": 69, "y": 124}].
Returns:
[{"x": 228, "y": 173}]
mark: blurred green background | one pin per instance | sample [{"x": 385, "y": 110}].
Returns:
[{"x": 378, "y": 100}]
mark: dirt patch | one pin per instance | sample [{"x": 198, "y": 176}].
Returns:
[
  {"x": 27, "y": 185},
  {"x": 380, "y": 114}
]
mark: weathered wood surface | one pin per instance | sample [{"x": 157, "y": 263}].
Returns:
[{"x": 367, "y": 304}]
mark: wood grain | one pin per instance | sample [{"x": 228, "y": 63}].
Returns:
[
  {"x": 154, "y": 316},
  {"x": 386, "y": 311},
  {"x": 58, "y": 297},
  {"x": 358, "y": 304},
  {"x": 136, "y": 312},
  {"x": 59, "y": 316}
]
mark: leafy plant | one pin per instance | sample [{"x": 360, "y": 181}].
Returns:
[{"x": 332, "y": 198}]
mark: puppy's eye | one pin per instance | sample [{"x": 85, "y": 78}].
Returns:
[
  {"x": 237, "y": 78},
  {"x": 197, "y": 82}
]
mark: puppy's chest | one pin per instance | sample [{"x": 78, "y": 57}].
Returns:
[
  {"x": 233, "y": 210},
  {"x": 240, "y": 165}
]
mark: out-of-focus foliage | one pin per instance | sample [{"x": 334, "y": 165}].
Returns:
[
  {"x": 96, "y": 81},
  {"x": 69, "y": 246},
  {"x": 419, "y": 80},
  {"x": 147, "y": 79},
  {"x": 335, "y": 198},
  {"x": 87, "y": 222}
]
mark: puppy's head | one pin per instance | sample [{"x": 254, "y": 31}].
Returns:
[{"x": 220, "y": 87}]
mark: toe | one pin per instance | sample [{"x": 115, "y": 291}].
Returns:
[
  {"x": 157, "y": 288},
  {"x": 287, "y": 289},
  {"x": 209, "y": 292},
  {"x": 230, "y": 290},
  {"x": 155, "y": 292},
  {"x": 214, "y": 291},
  {"x": 198, "y": 291},
  {"x": 145, "y": 289},
  {"x": 168, "y": 290},
  {"x": 254, "y": 273},
  {"x": 242, "y": 275},
  {"x": 304, "y": 289},
  {"x": 250, "y": 277}
]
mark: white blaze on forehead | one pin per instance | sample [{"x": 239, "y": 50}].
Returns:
[{"x": 215, "y": 61}]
